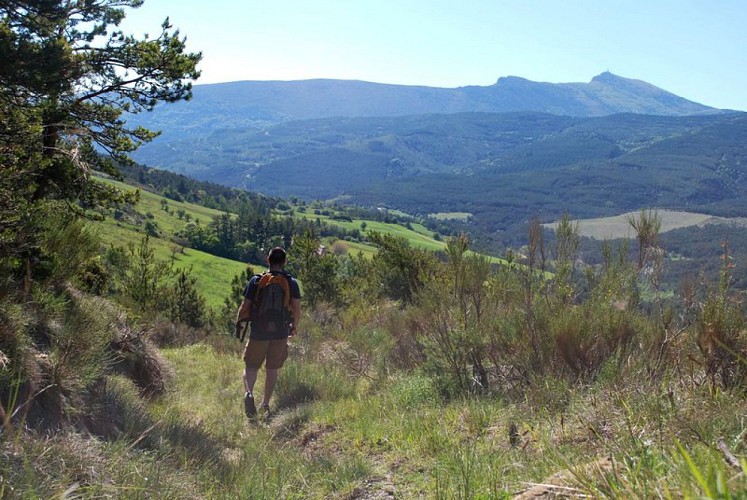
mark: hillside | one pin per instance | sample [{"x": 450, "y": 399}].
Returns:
[
  {"x": 457, "y": 394},
  {"x": 489, "y": 386},
  {"x": 168, "y": 223},
  {"x": 228, "y": 132},
  {"x": 502, "y": 168},
  {"x": 166, "y": 218},
  {"x": 430, "y": 151}
]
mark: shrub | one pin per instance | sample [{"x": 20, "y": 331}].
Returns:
[
  {"x": 58, "y": 347},
  {"x": 19, "y": 374},
  {"x": 720, "y": 333},
  {"x": 722, "y": 341},
  {"x": 585, "y": 338},
  {"x": 165, "y": 333},
  {"x": 116, "y": 409},
  {"x": 137, "y": 359},
  {"x": 363, "y": 352},
  {"x": 68, "y": 245}
]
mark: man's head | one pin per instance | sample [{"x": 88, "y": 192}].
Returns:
[{"x": 276, "y": 258}]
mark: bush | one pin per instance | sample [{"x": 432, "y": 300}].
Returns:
[
  {"x": 163, "y": 333},
  {"x": 80, "y": 346},
  {"x": 116, "y": 409},
  {"x": 722, "y": 340},
  {"x": 585, "y": 337},
  {"x": 183, "y": 303},
  {"x": 19, "y": 374},
  {"x": 363, "y": 352},
  {"x": 68, "y": 245},
  {"x": 58, "y": 348},
  {"x": 137, "y": 359}
]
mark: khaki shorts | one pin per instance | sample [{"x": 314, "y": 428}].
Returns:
[{"x": 274, "y": 351}]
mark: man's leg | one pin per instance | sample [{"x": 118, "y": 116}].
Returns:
[
  {"x": 254, "y": 355},
  {"x": 276, "y": 356},
  {"x": 271, "y": 376},
  {"x": 250, "y": 377}
]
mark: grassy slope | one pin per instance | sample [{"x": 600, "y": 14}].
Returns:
[
  {"x": 418, "y": 237},
  {"x": 355, "y": 439},
  {"x": 400, "y": 437},
  {"x": 170, "y": 223},
  {"x": 337, "y": 436},
  {"x": 340, "y": 434},
  {"x": 213, "y": 273}
]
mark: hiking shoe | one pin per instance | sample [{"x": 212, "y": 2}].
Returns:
[
  {"x": 266, "y": 413},
  {"x": 249, "y": 408}
]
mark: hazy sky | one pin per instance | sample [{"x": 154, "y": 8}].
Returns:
[{"x": 695, "y": 49}]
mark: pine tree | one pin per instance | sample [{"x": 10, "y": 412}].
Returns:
[
  {"x": 74, "y": 73},
  {"x": 67, "y": 76}
]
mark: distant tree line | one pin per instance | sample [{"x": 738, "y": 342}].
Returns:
[
  {"x": 182, "y": 188},
  {"x": 248, "y": 235}
]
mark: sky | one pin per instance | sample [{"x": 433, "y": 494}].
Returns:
[{"x": 695, "y": 49}]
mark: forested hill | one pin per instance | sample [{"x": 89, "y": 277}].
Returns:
[
  {"x": 500, "y": 167},
  {"x": 259, "y": 103},
  {"x": 495, "y": 166}
]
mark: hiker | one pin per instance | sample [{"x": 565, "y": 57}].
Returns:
[{"x": 272, "y": 303}]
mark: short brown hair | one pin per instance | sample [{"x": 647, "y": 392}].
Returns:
[{"x": 276, "y": 257}]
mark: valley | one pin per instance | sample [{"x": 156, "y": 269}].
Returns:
[
  {"x": 502, "y": 168},
  {"x": 523, "y": 289}
]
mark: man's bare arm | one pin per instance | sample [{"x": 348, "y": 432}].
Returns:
[
  {"x": 244, "y": 310},
  {"x": 296, "y": 310}
]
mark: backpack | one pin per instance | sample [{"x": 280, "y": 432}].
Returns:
[{"x": 271, "y": 303}]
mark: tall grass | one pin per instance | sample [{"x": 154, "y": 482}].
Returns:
[{"x": 493, "y": 382}]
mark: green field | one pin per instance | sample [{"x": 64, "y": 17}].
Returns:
[
  {"x": 419, "y": 236},
  {"x": 353, "y": 248},
  {"x": 213, "y": 273},
  {"x": 618, "y": 226},
  {"x": 463, "y": 216},
  {"x": 169, "y": 222}
]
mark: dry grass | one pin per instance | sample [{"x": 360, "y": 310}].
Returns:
[{"x": 618, "y": 227}]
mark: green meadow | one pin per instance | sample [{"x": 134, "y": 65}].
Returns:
[
  {"x": 463, "y": 216},
  {"x": 213, "y": 273},
  {"x": 417, "y": 235}
]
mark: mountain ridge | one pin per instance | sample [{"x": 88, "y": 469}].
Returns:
[{"x": 257, "y": 104}]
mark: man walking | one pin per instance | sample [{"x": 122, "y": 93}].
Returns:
[{"x": 272, "y": 303}]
